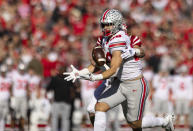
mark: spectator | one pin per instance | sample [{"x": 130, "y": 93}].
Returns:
[
  {"x": 20, "y": 95},
  {"x": 161, "y": 92},
  {"x": 5, "y": 94},
  {"x": 40, "y": 114},
  {"x": 183, "y": 95},
  {"x": 63, "y": 94}
]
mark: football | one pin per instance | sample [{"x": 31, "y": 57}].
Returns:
[{"x": 98, "y": 55}]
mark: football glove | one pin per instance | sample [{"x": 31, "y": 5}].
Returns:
[
  {"x": 128, "y": 53},
  {"x": 73, "y": 75}
]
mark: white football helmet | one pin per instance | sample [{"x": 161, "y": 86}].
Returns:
[
  {"x": 3, "y": 68},
  {"x": 21, "y": 67},
  {"x": 111, "y": 17}
]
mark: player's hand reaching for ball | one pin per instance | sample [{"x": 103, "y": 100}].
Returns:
[{"x": 73, "y": 75}]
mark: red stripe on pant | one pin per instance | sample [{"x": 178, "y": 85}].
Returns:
[{"x": 143, "y": 99}]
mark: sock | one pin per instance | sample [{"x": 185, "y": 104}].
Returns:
[
  {"x": 2, "y": 125},
  {"x": 100, "y": 121},
  {"x": 151, "y": 121}
]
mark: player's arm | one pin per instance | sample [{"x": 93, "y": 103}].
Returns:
[
  {"x": 115, "y": 64},
  {"x": 84, "y": 73},
  {"x": 75, "y": 73},
  {"x": 92, "y": 68}
]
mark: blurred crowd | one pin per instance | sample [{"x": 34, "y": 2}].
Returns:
[{"x": 45, "y": 35}]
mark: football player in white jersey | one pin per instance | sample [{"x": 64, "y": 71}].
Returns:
[
  {"x": 149, "y": 75},
  {"x": 34, "y": 83},
  {"x": 87, "y": 91},
  {"x": 41, "y": 109},
  {"x": 161, "y": 92},
  {"x": 183, "y": 88},
  {"x": 5, "y": 93},
  {"x": 132, "y": 89},
  {"x": 20, "y": 94},
  {"x": 10, "y": 67}
]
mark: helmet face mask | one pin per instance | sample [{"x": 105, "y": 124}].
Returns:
[
  {"x": 106, "y": 24},
  {"x": 107, "y": 29},
  {"x": 111, "y": 17}
]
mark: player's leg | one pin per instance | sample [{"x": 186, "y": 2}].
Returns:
[
  {"x": 3, "y": 113},
  {"x": 91, "y": 109},
  {"x": 152, "y": 121},
  {"x": 113, "y": 118},
  {"x": 91, "y": 106},
  {"x": 178, "y": 111},
  {"x": 99, "y": 90},
  {"x": 55, "y": 115},
  {"x": 186, "y": 112},
  {"x": 136, "y": 99},
  {"x": 65, "y": 118},
  {"x": 19, "y": 120},
  {"x": 23, "y": 111},
  {"x": 137, "y": 92},
  {"x": 109, "y": 99},
  {"x": 157, "y": 106},
  {"x": 14, "y": 104}
]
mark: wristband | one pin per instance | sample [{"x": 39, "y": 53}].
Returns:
[
  {"x": 84, "y": 71},
  {"x": 98, "y": 77}
]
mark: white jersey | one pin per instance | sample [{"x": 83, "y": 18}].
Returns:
[
  {"x": 162, "y": 85},
  {"x": 132, "y": 67},
  {"x": 11, "y": 73},
  {"x": 33, "y": 84},
  {"x": 148, "y": 74},
  {"x": 5, "y": 85},
  {"x": 20, "y": 83},
  {"x": 183, "y": 87},
  {"x": 40, "y": 105}
]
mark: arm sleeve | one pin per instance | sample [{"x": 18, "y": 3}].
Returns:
[
  {"x": 135, "y": 41},
  {"x": 98, "y": 43}
]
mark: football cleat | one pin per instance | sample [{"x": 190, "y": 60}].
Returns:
[{"x": 169, "y": 120}]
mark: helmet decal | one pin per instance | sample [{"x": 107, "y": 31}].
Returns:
[{"x": 104, "y": 14}]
